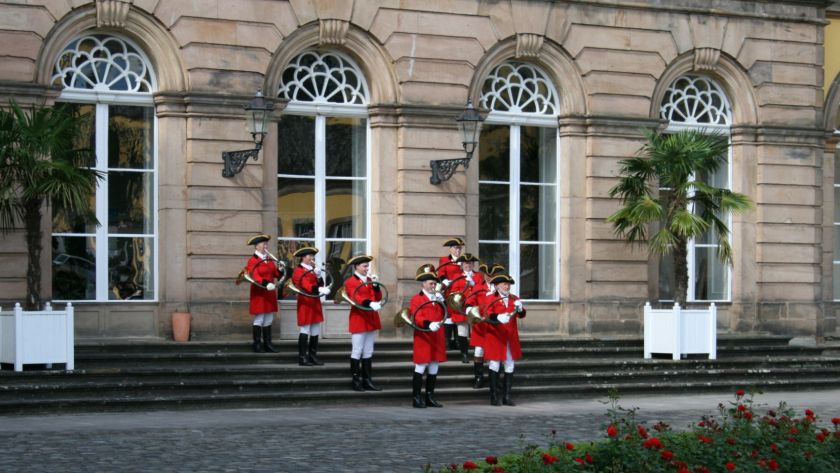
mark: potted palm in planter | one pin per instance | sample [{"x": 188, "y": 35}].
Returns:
[
  {"x": 687, "y": 208},
  {"x": 40, "y": 165}
]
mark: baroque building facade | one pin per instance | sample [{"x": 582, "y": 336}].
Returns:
[{"x": 373, "y": 88}]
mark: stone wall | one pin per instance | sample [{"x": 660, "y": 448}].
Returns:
[{"x": 611, "y": 62}]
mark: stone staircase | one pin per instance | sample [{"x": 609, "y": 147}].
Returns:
[{"x": 166, "y": 375}]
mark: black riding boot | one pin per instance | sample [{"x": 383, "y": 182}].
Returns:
[
  {"x": 266, "y": 332},
  {"x": 257, "y": 346},
  {"x": 303, "y": 356},
  {"x": 430, "y": 391},
  {"x": 478, "y": 370},
  {"x": 416, "y": 386},
  {"x": 494, "y": 388},
  {"x": 313, "y": 350},
  {"x": 450, "y": 336},
  {"x": 367, "y": 375},
  {"x": 506, "y": 400},
  {"x": 463, "y": 345},
  {"x": 357, "y": 378}
]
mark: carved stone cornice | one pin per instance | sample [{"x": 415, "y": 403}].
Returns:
[
  {"x": 333, "y": 31},
  {"x": 528, "y": 44},
  {"x": 112, "y": 12},
  {"x": 706, "y": 59}
]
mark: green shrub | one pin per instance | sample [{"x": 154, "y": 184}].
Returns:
[{"x": 739, "y": 439}]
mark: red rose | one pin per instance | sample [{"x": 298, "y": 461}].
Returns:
[
  {"x": 491, "y": 460},
  {"x": 612, "y": 431},
  {"x": 740, "y": 392},
  {"x": 742, "y": 407},
  {"x": 835, "y": 420},
  {"x": 497, "y": 469},
  {"x": 794, "y": 430},
  {"x": 579, "y": 460},
  {"x": 730, "y": 466},
  {"x": 548, "y": 459},
  {"x": 809, "y": 413},
  {"x": 642, "y": 431},
  {"x": 589, "y": 458},
  {"x": 683, "y": 470},
  {"x": 569, "y": 446},
  {"x": 774, "y": 447},
  {"x": 773, "y": 465},
  {"x": 731, "y": 441},
  {"x": 748, "y": 415},
  {"x": 652, "y": 442},
  {"x": 468, "y": 465},
  {"x": 453, "y": 467},
  {"x": 667, "y": 455},
  {"x": 820, "y": 437}
]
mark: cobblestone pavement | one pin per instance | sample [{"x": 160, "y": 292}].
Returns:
[{"x": 335, "y": 438}]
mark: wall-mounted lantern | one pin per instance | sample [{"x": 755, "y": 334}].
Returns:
[
  {"x": 258, "y": 112},
  {"x": 469, "y": 123}
]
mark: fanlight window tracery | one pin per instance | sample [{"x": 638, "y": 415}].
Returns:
[
  {"x": 696, "y": 100},
  {"x": 519, "y": 88},
  {"x": 323, "y": 77},
  {"x": 103, "y": 63}
]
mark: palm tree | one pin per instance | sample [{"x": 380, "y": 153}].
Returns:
[
  {"x": 686, "y": 208},
  {"x": 39, "y": 163}
]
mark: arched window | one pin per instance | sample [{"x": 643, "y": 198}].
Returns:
[
  {"x": 110, "y": 82},
  {"x": 323, "y": 157},
  {"x": 518, "y": 191},
  {"x": 698, "y": 102}
]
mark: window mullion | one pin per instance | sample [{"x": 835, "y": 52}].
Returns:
[
  {"x": 513, "y": 227},
  {"x": 101, "y": 241},
  {"x": 320, "y": 183}
]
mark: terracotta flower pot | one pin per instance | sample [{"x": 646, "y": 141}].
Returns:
[{"x": 181, "y": 326}]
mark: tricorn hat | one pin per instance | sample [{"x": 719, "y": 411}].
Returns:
[
  {"x": 483, "y": 268},
  {"x": 306, "y": 250},
  {"x": 426, "y": 268},
  {"x": 497, "y": 269},
  {"x": 258, "y": 239},
  {"x": 454, "y": 241},
  {"x": 500, "y": 278},
  {"x": 427, "y": 276},
  {"x": 466, "y": 258},
  {"x": 359, "y": 260}
]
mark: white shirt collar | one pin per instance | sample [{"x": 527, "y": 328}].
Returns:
[
  {"x": 360, "y": 276},
  {"x": 261, "y": 255},
  {"x": 305, "y": 265},
  {"x": 430, "y": 296}
]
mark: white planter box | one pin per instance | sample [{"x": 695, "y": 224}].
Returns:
[
  {"x": 42, "y": 337},
  {"x": 681, "y": 332}
]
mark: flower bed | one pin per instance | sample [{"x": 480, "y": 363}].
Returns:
[{"x": 739, "y": 439}]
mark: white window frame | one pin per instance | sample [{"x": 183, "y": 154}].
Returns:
[
  {"x": 692, "y": 124},
  {"x": 102, "y": 99},
  {"x": 516, "y": 121},
  {"x": 322, "y": 110}
]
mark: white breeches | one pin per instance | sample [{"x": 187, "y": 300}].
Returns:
[
  {"x": 362, "y": 344},
  {"x": 421, "y": 368},
  {"x": 478, "y": 352},
  {"x": 494, "y": 365},
  {"x": 313, "y": 330},
  {"x": 463, "y": 329},
  {"x": 264, "y": 320}
]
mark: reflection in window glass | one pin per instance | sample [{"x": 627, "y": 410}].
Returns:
[
  {"x": 346, "y": 145},
  {"x": 73, "y": 268},
  {"x": 536, "y": 273},
  {"x": 130, "y": 269},
  {"x": 130, "y": 202},
  {"x": 130, "y": 137},
  {"x": 494, "y": 153},
  {"x": 345, "y": 208},
  {"x": 296, "y": 145},
  {"x": 493, "y": 211},
  {"x": 493, "y": 253},
  {"x": 712, "y": 280},
  {"x": 295, "y": 207}
]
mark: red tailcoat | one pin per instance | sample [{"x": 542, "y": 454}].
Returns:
[
  {"x": 428, "y": 346},
  {"x": 263, "y": 271},
  {"x": 475, "y": 297},
  {"x": 448, "y": 268},
  {"x": 462, "y": 285},
  {"x": 309, "y": 309},
  {"x": 499, "y": 336},
  {"x": 362, "y": 320}
]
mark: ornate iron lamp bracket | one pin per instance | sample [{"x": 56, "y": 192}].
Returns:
[
  {"x": 443, "y": 169},
  {"x": 235, "y": 160}
]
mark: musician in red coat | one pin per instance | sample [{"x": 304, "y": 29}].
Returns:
[
  {"x": 264, "y": 271},
  {"x": 429, "y": 346},
  {"x": 463, "y": 283},
  {"x": 307, "y": 278},
  {"x": 448, "y": 270},
  {"x": 476, "y": 297},
  {"x": 364, "y": 323},
  {"x": 501, "y": 341}
]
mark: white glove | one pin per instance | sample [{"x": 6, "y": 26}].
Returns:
[
  {"x": 503, "y": 318},
  {"x": 446, "y": 283},
  {"x": 448, "y": 321},
  {"x": 471, "y": 282},
  {"x": 439, "y": 297},
  {"x": 323, "y": 291},
  {"x": 434, "y": 326},
  {"x": 518, "y": 305},
  {"x": 270, "y": 286},
  {"x": 375, "y": 305},
  {"x": 317, "y": 271},
  {"x": 374, "y": 277}
]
